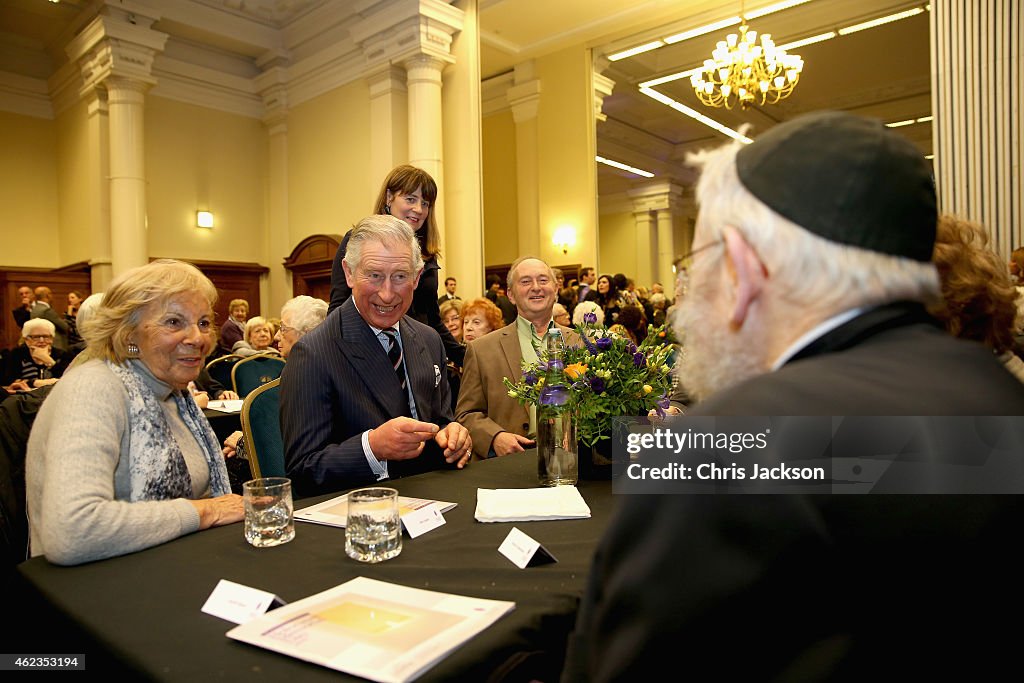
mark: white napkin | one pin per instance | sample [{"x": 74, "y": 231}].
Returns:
[
  {"x": 530, "y": 505},
  {"x": 229, "y": 406}
]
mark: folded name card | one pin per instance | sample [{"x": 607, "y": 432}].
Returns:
[
  {"x": 237, "y": 603},
  {"x": 523, "y": 551}
]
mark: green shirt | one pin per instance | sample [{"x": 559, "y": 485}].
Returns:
[{"x": 527, "y": 338}]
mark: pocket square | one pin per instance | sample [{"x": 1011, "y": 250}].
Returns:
[{"x": 437, "y": 376}]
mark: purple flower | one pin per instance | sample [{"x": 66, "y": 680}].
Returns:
[
  {"x": 529, "y": 378},
  {"x": 557, "y": 395},
  {"x": 604, "y": 343},
  {"x": 631, "y": 348},
  {"x": 590, "y": 346},
  {"x": 661, "y": 405},
  {"x": 597, "y": 384},
  {"x": 556, "y": 364},
  {"x": 638, "y": 359},
  {"x": 589, "y": 318}
]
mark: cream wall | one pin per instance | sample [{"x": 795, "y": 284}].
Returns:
[
  {"x": 198, "y": 158},
  {"x": 501, "y": 244},
  {"x": 28, "y": 192},
  {"x": 567, "y": 177},
  {"x": 618, "y": 244},
  {"x": 329, "y": 186},
  {"x": 74, "y": 187}
]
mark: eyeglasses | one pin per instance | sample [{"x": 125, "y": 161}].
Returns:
[
  {"x": 285, "y": 329},
  {"x": 681, "y": 262},
  {"x": 39, "y": 337}
]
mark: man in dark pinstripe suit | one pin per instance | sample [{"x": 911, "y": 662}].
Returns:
[{"x": 354, "y": 408}]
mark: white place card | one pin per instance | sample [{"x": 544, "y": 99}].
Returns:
[
  {"x": 419, "y": 522},
  {"x": 237, "y": 603},
  {"x": 523, "y": 551}
]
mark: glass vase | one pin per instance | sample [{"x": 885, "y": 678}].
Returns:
[{"x": 557, "y": 456}]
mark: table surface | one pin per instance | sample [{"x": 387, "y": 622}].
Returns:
[{"x": 142, "y": 611}]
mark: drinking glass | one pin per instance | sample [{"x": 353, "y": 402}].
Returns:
[
  {"x": 269, "y": 516},
  {"x": 373, "y": 530}
]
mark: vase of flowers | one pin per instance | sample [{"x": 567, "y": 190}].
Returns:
[{"x": 607, "y": 375}]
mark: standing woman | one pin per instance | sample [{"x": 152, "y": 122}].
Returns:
[{"x": 409, "y": 193}]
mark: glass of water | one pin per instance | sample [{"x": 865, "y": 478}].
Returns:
[
  {"x": 268, "y": 511},
  {"x": 373, "y": 530}
]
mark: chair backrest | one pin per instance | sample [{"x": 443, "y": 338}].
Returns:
[
  {"x": 220, "y": 369},
  {"x": 261, "y": 429},
  {"x": 255, "y": 371}
]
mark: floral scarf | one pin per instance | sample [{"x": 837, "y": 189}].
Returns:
[{"x": 157, "y": 469}]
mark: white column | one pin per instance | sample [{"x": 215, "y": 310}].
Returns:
[
  {"x": 389, "y": 125},
  {"x": 98, "y": 217},
  {"x": 524, "y": 98},
  {"x": 273, "y": 88},
  {"x": 128, "y": 228},
  {"x": 645, "y": 247},
  {"x": 656, "y": 246},
  {"x": 666, "y": 247},
  {"x": 423, "y": 78},
  {"x": 978, "y": 129}
]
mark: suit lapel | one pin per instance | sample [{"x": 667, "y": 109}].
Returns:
[
  {"x": 511, "y": 351},
  {"x": 370, "y": 361},
  {"x": 423, "y": 371}
]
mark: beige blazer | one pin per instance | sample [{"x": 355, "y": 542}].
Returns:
[{"x": 484, "y": 406}]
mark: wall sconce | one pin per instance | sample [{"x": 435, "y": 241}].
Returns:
[
  {"x": 564, "y": 237},
  {"x": 204, "y": 219}
]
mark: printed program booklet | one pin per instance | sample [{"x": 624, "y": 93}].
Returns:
[
  {"x": 334, "y": 512},
  {"x": 377, "y": 630}
]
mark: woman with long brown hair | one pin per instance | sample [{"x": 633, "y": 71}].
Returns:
[{"x": 409, "y": 193}]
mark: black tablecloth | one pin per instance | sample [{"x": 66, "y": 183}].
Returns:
[{"x": 142, "y": 611}]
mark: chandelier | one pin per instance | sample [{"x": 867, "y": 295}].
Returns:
[{"x": 745, "y": 73}]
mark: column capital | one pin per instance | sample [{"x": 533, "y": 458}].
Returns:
[
  {"x": 407, "y": 28},
  {"x": 118, "y": 42},
  {"x": 663, "y": 195},
  {"x": 602, "y": 88},
  {"x": 272, "y": 86},
  {"x": 524, "y": 99},
  {"x": 386, "y": 80}
]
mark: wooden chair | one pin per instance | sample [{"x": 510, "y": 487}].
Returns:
[
  {"x": 220, "y": 369},
  {"x": 255, "y": 371},
  {"x": 261, "y": 429}
]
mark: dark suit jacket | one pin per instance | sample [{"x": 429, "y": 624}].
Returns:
[
  {"x": 338, "y": 383},
  {"x": 829, "y": 587},
  {"x": 444, "y": 297},
  {"x": 60, "y": 336}
]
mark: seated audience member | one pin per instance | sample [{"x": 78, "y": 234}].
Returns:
[
  {"x": 585, "y": 307},
  {"x": 807, "y": 296},
  {"x": 258, "y": 336},
  {"x": 233, "y": 329},
  {"x": 498, "y": 423},
  {"x": 978, "y": 297},
  {"x": 632, "y": 318},
  {"x": 479, "y": 317},
  {"x": 42, "y": 308},
  {"x": 567, "y": 298},
  {"x": 120, "y": 457},
  {"x": 608, "y": 298},
  {"x": 659, "y": 303},
  {"x": 497, "y": 296},
  {"x": 363, "y": 396},
  {"x": 450, "y": 316},
  {"x": 75, "y": 342},
  {"x": 24, "y": 311},
  {"x": 35, "y": 360},
  {"x": 561, "y": 316}
]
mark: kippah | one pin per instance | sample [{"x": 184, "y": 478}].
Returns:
[{"x": 848, "y": 179}]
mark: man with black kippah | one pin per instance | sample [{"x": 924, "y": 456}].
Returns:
[{"x": 809, "y": 275}]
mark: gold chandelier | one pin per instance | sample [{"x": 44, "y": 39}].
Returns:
[{"x": 745, "y": 73}]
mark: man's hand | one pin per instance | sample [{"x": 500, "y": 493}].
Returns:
[
  {"x": 401, "y": 438},
  {"x": 457, "y": 444},
  {"x": 42, "y": 356},
  {"x": 507, "y": 442}
]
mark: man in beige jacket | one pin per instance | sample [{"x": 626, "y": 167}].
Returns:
[{"x": 498, "y": 424}]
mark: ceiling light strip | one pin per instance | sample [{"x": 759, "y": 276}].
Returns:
[
  {"x": 624, "y": 167},
  {"x": 821, "y": 37},
  {"x": 639, "y": 49},
  {"x": 694, "y": 114},
  {"x": 671, "y": 77},
  {"x": 772, "y": 9},
  {"x": 881, "y": 20},
  {"x": 701, "y": 30}
]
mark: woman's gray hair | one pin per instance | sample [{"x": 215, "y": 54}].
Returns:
[
  {"x": 812, "y": 271},
  {"x": 254, "y": 322},
  {"x": 37, "y": 325},
  {"x": 120, "y": 312},
  {"x": 305, "y": 311},
  {"x": 387, "y": 230},
  {"x": 585, "y": 307},
  {"x": 88, "y": 307}
]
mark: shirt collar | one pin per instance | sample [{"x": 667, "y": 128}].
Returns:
[
  {"x": 819, "y": 330},
  {"x": 525, "y": 325},
  {"x": 377, "y": 331}
]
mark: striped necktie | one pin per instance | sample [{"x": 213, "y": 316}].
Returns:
[{"x": 395, "y": 354}]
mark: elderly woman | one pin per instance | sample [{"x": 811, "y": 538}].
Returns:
[
  {"x": 452, "y": 318},
  {"x": 586, "y": 307},
  {"x": 233, "y": 329},
  {"x": 35, "y": 363},
  {"x": 259, "y": 334},
  {"x": 479, "y": 317},
  {"x": 120, "y": 457}
]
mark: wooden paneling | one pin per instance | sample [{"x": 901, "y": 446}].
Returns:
[
  {"x": 61, "y": 281},
  {"x": 233, "y": 281},
  {"x": 310, "y": 265}
]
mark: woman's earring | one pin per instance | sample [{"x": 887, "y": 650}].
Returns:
[
  {"x": 133, "y": 349},
  {"x": 387, "y": 209}
]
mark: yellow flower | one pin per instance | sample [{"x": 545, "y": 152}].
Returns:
[
  {"x": 575, "y": 370},
  {"x": 513, "y": 393},
  {"x": 647, "y": 389}
]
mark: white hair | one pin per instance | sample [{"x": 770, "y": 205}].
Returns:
[
  {"x": 809, "y": 271},
  {"x": 386, "y": 230},
  {"x": 88, "y": 307},
  {"x": 585, "y": 307},
  {"x": 37, "y": 325},
  {"x": 305, "y": 311}
]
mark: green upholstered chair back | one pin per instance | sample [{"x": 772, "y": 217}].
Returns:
[
  {"x": 261, "y": 429},
  {"x": 255, "y": 371},
  {"x": 220, "y": 369}
]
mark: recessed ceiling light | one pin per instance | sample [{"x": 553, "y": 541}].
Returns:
[{"x": 624, "y": 167}]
